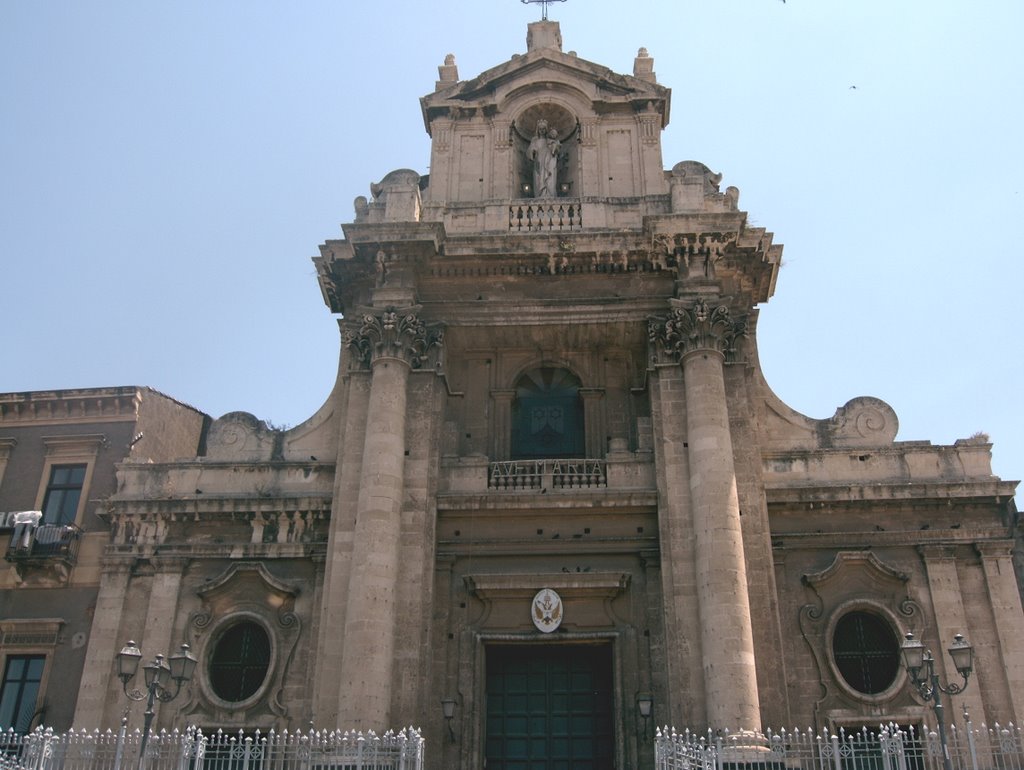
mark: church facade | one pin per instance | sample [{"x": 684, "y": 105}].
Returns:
[{"x": 551, "y": 501}]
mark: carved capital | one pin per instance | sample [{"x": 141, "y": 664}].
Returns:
[
  {"x": 701, "y": 327},
  {"x": 391, "y": 335}
]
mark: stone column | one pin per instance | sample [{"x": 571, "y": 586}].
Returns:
[
  {"x": 700, "y": 336},
  {"x": 1004, "y": 597},
  {"x": 390, "y": 344},
  {"x": 99, "y": 688}
]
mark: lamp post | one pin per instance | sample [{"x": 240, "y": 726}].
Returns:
[
  {"x": 921, "y": 666},
  {"x": 158, "y": 675}
]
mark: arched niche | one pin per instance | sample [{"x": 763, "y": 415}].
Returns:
[{"x": 546, "y": 163}]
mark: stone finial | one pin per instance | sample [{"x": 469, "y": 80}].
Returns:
[
  {"x": 362, "y": 207},
  {"x": 700, "y": 327},
  {"x": 643, "y": 66},
  {"x": 447, "y": 73},
  {"x": 543, "y": 34}
]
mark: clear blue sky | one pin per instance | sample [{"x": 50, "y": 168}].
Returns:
[{"x": 168, "y": 169}]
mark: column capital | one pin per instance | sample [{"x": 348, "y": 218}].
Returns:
[
  {"x": 994, "y": 548},
  {"x": 698, "y": 327},
  {"x": 937, "y": 551},
  {"x": 394, "y": 333}
]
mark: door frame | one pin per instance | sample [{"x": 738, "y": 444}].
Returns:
[{"x": 479, "y": 683}]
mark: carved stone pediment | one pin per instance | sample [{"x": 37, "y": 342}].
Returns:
[
  {"x": 244, "y": 575},
  {"x": 857, "y": 572}
]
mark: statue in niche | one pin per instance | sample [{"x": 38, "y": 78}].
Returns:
[{"x": 543, "y": 154}]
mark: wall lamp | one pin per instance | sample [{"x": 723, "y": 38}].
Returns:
[
  {"x": 448, "y": 709},
  {"x": 645, "y": 705}
]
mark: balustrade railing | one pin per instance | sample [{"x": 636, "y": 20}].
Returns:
[
  {"x": 547, "y": 474},
  {"x": 553, "y": 214}
]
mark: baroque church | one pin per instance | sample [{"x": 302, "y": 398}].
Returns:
[{"x": 551, "y": 501}]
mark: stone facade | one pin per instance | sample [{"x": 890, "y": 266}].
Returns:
[{"x": 549, "y": 387}]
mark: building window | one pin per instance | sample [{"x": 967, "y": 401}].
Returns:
[
  {"x": 240, "y": 660},
  {"x": 19, "y": 691},
  {"x": 547, "y": 416},
  {"x": 866, "y": 652},
  {"x": 60, "y": 505}
]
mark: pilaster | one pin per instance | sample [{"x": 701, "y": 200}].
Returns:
[
  {"x": 950, "y": 618},
  {"x": 98, "y": 691},
  {"x": 593, "y": 422},
  {"x": 502, "y": 428},
  {"x": 1004, "y": 596}
]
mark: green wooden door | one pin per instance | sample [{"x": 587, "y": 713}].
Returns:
[{"x": 549, "y": 707}]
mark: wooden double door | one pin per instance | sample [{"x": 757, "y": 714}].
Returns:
[{"x": 549, "y": 707}]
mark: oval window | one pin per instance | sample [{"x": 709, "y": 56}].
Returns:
[
  {"x": 866, "y": 652},
  {"x": 240, "y": 661}
]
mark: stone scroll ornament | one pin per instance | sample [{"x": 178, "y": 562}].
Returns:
[
  {"x": 391, "y": 335},
  {"x": 701, "y": 327}
]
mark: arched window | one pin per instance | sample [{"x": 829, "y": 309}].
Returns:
[
  {"x": 547, "y": 416},
  {"x": 866, "y": 652},
  {"x": 239, "y": 662}
]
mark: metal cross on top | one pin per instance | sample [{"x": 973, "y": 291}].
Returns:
[{"x": 543, "y": 5}]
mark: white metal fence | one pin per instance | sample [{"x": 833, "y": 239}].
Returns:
[
  {"x": 887, "y": 748},
  {"x": 192, "y": 750}
]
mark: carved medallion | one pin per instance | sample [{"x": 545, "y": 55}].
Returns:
[{"x": 547, "y": 610}]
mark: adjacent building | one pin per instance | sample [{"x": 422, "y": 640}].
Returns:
[
  {"x": 551, "y": 500},
  {"x": 58, "y": 453}
]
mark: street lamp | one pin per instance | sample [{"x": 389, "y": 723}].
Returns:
[
  {"x": 921, "y": 666},
  {"x": 157, "y": 674}
]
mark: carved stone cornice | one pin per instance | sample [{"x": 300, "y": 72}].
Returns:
[
  {"x": 62, "y": 407},
  {"x": 392, "y": 335},
  {"x": 700, "y": 327}
]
